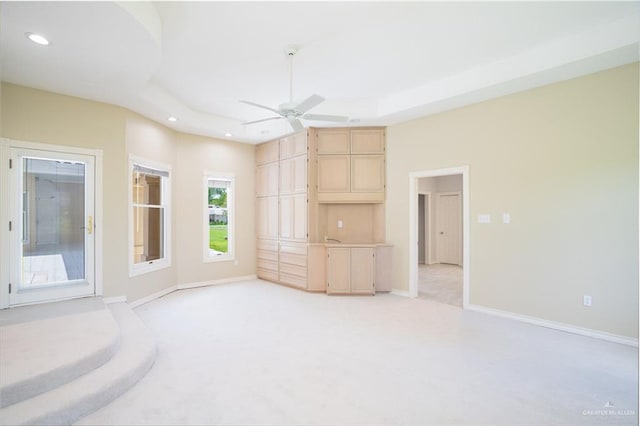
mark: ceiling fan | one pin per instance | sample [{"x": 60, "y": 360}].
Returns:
[{"x": 293, "y": 112}]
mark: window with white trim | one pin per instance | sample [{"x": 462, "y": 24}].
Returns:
[
  {"x": 219, "y": 238},
  {"x": 149, "y": 216}
]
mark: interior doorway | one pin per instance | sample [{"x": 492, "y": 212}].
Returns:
[{"x": 439, "y": 248}]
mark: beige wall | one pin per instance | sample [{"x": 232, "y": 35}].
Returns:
[
  {"x": 563, "y": 161},
  {"x": 195, "y": 155},
  {"x": 150, "y": 141},
  {"x": 38, "y": 116}
]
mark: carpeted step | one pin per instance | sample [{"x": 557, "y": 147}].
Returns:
[
  {"x": 39, "y": 355},
  {"x": 71, "y": 401}
]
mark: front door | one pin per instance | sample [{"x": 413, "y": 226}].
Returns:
[{"x": 52, "y": 225}]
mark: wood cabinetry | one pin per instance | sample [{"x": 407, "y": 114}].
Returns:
[
  {"x": 350, "y": 165},
  {"x": 282, "y": 211},
  {"x": 351, "y": 270},
  {"x": 336, "y": 167},
  {"x": 267, "y": 177}
]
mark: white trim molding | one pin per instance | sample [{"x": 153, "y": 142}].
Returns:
[
  {"x": 152, "y": 297},
  {"x": 556, "y": 325},
  {"x": 403, "y": 293},
  {"x": 413, "y": 227},
  {"x": 216, "y": 282},
  {"x": 187, "y": 286},
  {"x": 114, "y": 299}
]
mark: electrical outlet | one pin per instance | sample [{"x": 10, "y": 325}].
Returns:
[
  {"x": 340, "y": 224},
  {"x": 586, "y": 300}
]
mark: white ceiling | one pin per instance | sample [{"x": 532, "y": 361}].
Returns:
[{"x": 377, "y": 62}]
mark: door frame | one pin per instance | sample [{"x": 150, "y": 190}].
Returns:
[
  {"x": 427, "y": 227},
  {"x": 413, "y": 227},
  {"x": 5, "y": 214}
]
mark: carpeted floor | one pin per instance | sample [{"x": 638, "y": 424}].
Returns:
[{"x": 255, "y": 353}]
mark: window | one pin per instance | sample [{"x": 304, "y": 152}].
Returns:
[
  {"x": 218, "y": 217},
  {"x": 149, "y": 217}
]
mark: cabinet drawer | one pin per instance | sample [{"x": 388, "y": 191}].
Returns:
[
  {"x": 298, "y": 271},
  {"x": 266, "y": 274},
  {"x": 267, "y": 255},
  {"x": 293, "y": 280},
  {"x": 293, "y": 259},
  {"x": 270, "y": 245},
  {"x": 293, "y": 248},
  {"x": 271, "y": 265}
]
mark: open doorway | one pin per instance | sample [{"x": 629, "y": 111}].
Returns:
[{"x": 439, "y": 242}]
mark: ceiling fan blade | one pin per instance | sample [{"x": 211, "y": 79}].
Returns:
[
  {"x": 309, "y": 103},
  {"x": 295, "y": 124},
  {"x": 261, "y": 106},
  {"x": 323, "y": 117},
  {"x": 260, "y": 121}
]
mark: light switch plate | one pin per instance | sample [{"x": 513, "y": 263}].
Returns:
[
  {"x": 484, "y": 218},
  {"x": 340, "y": 224},
  {"x": 506, "y": 218}
]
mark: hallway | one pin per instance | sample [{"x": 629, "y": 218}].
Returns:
[{"x": 441, "y": 283}]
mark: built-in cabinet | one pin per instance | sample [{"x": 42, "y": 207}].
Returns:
[
  {"x": 297, "y": 179},
  {"x": 351, "y": 165},
  {"x": 358, "y": 269},
  {"x": 350, "y": 270}
]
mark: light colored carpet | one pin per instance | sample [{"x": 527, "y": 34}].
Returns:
[
  {"x": 255, "y": 353},
  {"x": 441, "y": 283}
]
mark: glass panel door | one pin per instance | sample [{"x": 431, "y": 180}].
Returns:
[{"x": 52, "y": 195}]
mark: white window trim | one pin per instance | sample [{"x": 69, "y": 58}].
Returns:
[
  {"x": 231, "y": 212},
  {"x": 136, "y": 269}
]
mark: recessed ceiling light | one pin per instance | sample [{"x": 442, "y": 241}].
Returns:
[
  {"x": 172, "y": 119},
  {"x": 228, "y": 134},
  {"x": 37, "y": 38}
]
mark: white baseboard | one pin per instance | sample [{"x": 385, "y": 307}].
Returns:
[
  {"x": 402, "y": 293},
  {"x": 153, "y": 296},
  {"x": 214, "y": 282},
  {"x": 115, "y": 299},
  {"x": 556, "y": 325}
]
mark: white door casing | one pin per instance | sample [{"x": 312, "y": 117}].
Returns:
[{"x": 36, "y": 267}]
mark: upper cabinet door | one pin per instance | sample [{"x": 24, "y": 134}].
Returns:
[
  {"x": 369, "y": 141},
  {"x": 367, "y": 173},
  {"x": 267, "y": 152},
  {"x": 333, "y": 141},
  {"x": 293, "y": 145},
  {"x": 334, "y": 173},
  {"x": 267, "y": 180}
]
